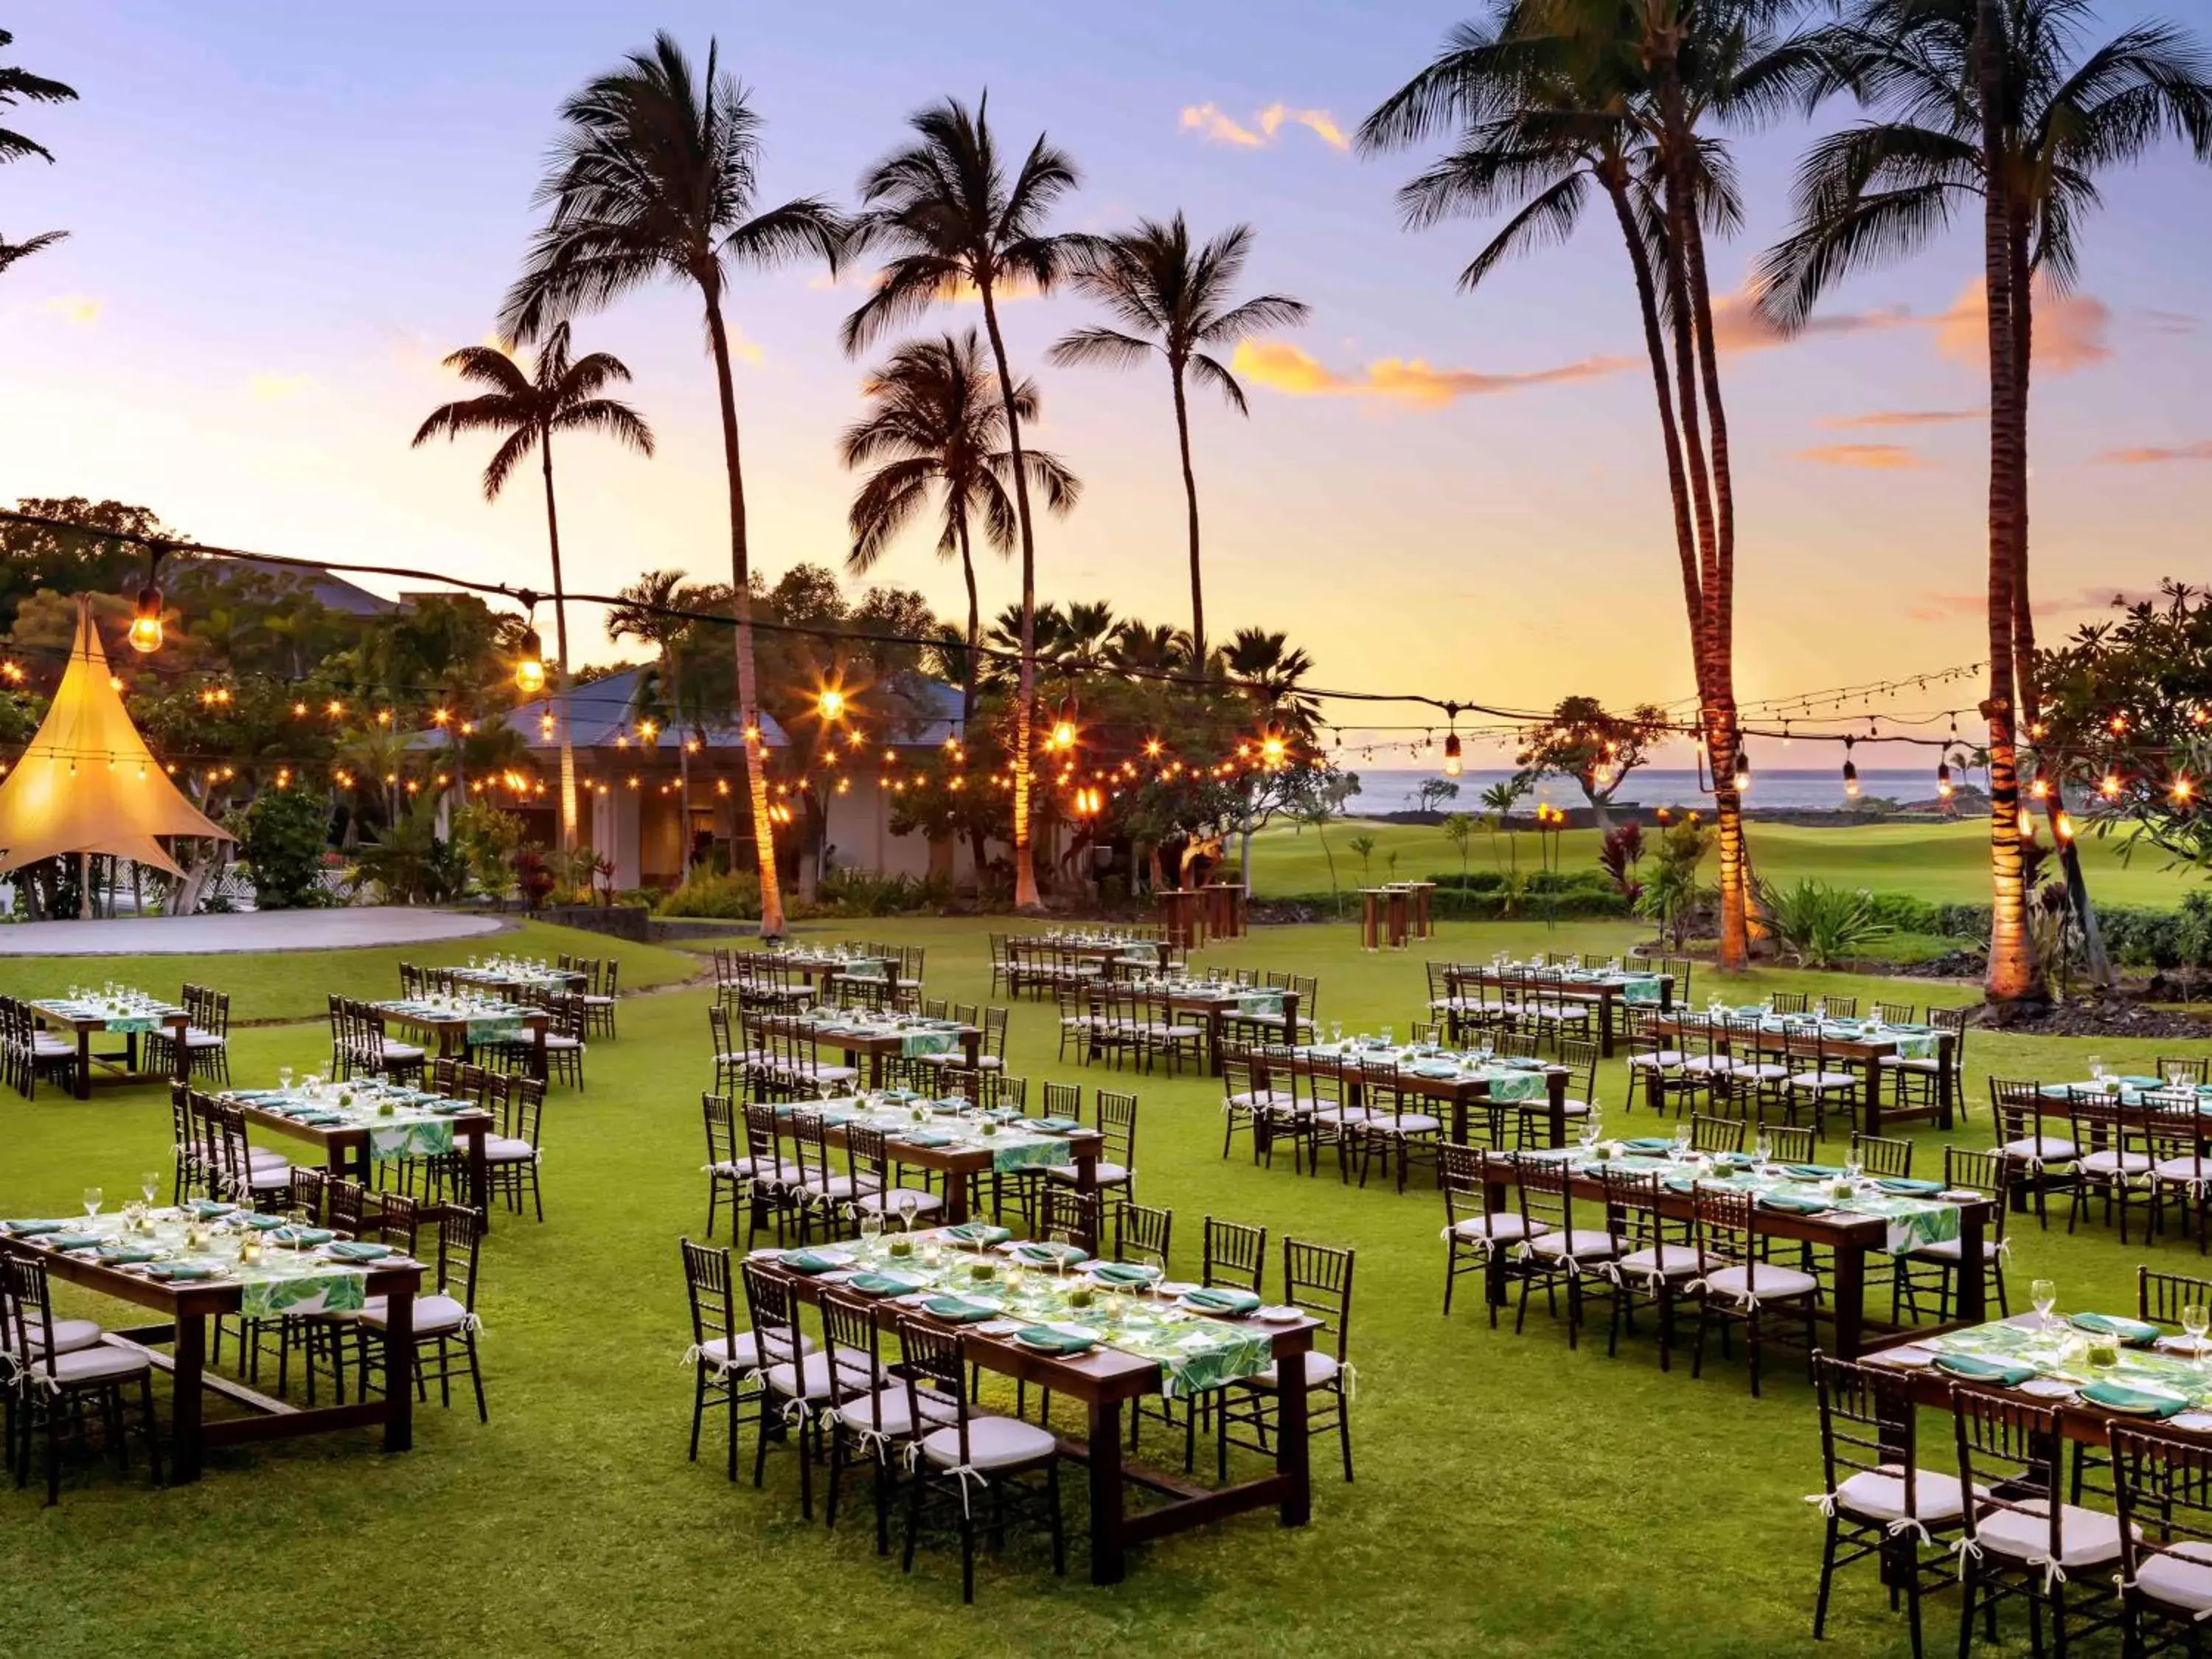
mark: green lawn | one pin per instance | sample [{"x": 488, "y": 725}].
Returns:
[
  {"x": 292, "y": 985},
  {"x": 1946, "y": 862},
  {"x": 1513, "y": 1498}
]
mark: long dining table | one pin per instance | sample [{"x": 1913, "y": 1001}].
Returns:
[
  {"x": 185, "y": 1309},
  {"x": 1213, "y": 1006},
  {"x": 1604, "y": 992},
  {"x": 1460, "y": 1093},
  {"x": 84, "y": 1019},
  {"x": 353, "y": 1145},
  {"x": 1850, "y": 1238},
  {"x": 857, "y": 1036},
  {"x": 452, "y": 1032},
  {"x": 1859, "y": 1043},
  {"x": 1107, "y": 1381}
]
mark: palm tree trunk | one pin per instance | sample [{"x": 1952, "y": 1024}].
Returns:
[
  {"x": 567, "y": 835},
  {"x": 1026, "y": 886},
  {"x": 1190, "y": 496},
  {"x": 741, "y": 608},
  {"x": 2013, "y": 975},
  {"x": 975, "y": 632},
  {"x": 683, "y": 801}
]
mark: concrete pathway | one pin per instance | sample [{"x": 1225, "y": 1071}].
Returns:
[{"x": 255, "y": 930}]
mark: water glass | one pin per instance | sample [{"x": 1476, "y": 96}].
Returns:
[
  {"x": 2181, "y": 1078},
  {"x": 150, "y": 1182},
  {"x": 93, "y": 1196},
  {"x": 1681, "y": 1140},
  {"x": 2195, "y": 1320},
  {"x": 2043, "y": 1293},
  {"x": 284, "y": 1077}
]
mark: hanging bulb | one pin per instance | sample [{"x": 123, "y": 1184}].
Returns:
[
  {"x": 530, "y": 666},
  {"x": 829, "y": 703},
  {"x": 2064, "y": 827},
  {"x": 1851, "y": 772},
  {"x": 146, "y": 625},
  {"x": 1943, "y": 778},
  {"x": 1743, "y": 768},
  {"x": 1453, "y": 765},
  {"x": 1063, "y": 727}
]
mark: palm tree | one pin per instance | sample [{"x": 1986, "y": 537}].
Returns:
[
  {"x": 647, "y": 610},
  {"x": 19, "y": 86},
  {"x": 556, "y": 395},
  {"x": 1177, "y": 301},
  {"x": 945, "y": 210},
  {"x": 655, "y": 176},
  {"x": 1550, "y": 98},
  {"x": 1987, "y": 98},
  {"x": 936, "y": 422}
]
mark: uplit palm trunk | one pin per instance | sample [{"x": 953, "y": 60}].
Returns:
[
  {"x": 1025, "y": 887},
  {"x": 683, "y": 799},
  {"x": 1190, "y": 497},
  {"x": 975, "y": 632},
  {"x": 741, "y": 608},
  {"x": 568, "y": 836},
  {"x": 2013, "y": 975}
]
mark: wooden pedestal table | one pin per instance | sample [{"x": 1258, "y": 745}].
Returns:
[
  {"x": 1106, "y": 1381},
  {"x": 1181, "y": 918},
  {"x": 1419, "y": 920},
  {"x": 1382, "y": 912},
  {"x": 186, "y": 1309},
  {"x": 118, "y": 1066}
]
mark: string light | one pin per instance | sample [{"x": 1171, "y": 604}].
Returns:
[
  {"x": 1453, "y": 764},
  {"x": 1943, "y": 779},
  {"x": 829, "y": 703},
  {"x": 1850, "y": 771},
  {"x": 146, "y": 625}
]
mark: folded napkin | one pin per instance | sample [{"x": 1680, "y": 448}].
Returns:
[
  {"x": 1791, "y": 1204},
  {"x": 208, "y": 1208},
  {"x": 2005, "y": 1374},
  {"x": 29, "y": 1229},
  {"x": 1222, "y": 1299},
  {"x": 2144, "y": 1082},
  {"x": 358, "y": 1249},
  {"x": 883, "y": 1285},
  {"x": 315, "y": 1118},
  {"x": 978, "y": 1232},
  {"x": 117, "y": 1255},
  {"x": 958, "y": 1309},
  {"x": 303, "y": 1238},
  {"x": 925, "y": 1138},
  {"x": 1056, "y": 1126},
  {"x": 2133, "y": 1402},
  {"x": 1648, "y": 1144},
  {"x": 451, "y": 1108},
  {"x": 1123, "y": 1273},
  {"x": 1906, "y": 1187},
  {"x": 812, "y": 1262},
  {"x": 1435, "y": 1070},
  {"x": 181, "y": 1270},
  {"x": 262, "y": 1224},
  {"x": 69, "y": 1241},
  {"x": 1052, "y": 1340},
  {"x": 1051, "y": 1254},
  {"x": 1812, "y": 1171},
  {"x": 2118, "y": 1325}
]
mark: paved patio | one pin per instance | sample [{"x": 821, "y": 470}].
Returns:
[{"x": 273, "y": 930}]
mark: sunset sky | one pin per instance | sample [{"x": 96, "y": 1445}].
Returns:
[{"x": 283, "y": 216}]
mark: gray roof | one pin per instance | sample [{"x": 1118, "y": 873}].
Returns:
[
  {"x": 600, "y": 713},
  {"x": 334, "y": 593}
]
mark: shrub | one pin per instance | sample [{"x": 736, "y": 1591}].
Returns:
[
  {"x": 1820, "y": 924},
  {"x": 285, "y": 833},
  {"x": 864, "y": 893},
  {"x": 486, "y": 838},
  {"x": 718, "y": 898}
]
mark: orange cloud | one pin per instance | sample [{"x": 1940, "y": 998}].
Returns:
[
  {"x": 1737, "y": 325},
  {"x": 1281, "y": 367},
  {"x": 2069, "y": 329},
  {"x": 1889, "y": 417},
  {"x": 2200, "y": 451},
  {"x": 1879, "y": 458},
  {"x": 1218, "y": 126}
]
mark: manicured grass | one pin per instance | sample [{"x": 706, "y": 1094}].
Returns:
[
  {"x": 1513, "y": 1498},
  {"x": 1946, "y": 862},
  {"x": 292, "y": 985}
]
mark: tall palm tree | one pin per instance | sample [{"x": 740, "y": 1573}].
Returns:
[
  {"x": 944, "y": 210},
  {"x": 556, "y": 395},
  {"x": 1991, "y": 98},
  {"x": 1176, "y": 300},
  {"x": 655, "y": 176},
  {"x": 935, "y": 422},
  {"x": 645, "y": 611},
  {"x": 19, "y": 86},
  {"x": 1550, "y": 97}
]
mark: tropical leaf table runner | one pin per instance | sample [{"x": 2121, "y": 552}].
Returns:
[
  {"x": 1509, "y": 1080},
  {"x": 418, "y": 1125},
  {"x": 489, "y": 1020},
  {"x": 2066, "y": 1350},
  {"x": 1915, "y": 1218},
  {"x": 130, "y": 1014},
  {"x": 1015, "y": 1142},
  {"x": 284, "y": 1280}
]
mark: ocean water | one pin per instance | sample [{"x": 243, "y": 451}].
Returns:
[{"x": 1392, "y": 789}]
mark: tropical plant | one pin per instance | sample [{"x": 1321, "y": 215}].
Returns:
[
  {"x": 1820, "y": 925},
  {"x": 1550, "y": 99},
  {"x": 19, "y": 86},
  {"x": 411, "y": 862},
  {"x": 953, "y": 223},
  {"x": 1671, "y": 894},
  {"x": 556, "y": 395},
  {"x": 285, "y": 834},
  {"x": 1620, "y": 853},
  {"x": 487, "y": 839},
  {"x": 1315, "y": 815},
  {"x": 1497, "y": 804},
  {"x": 1459, "y": 830},
  {"x": 534, "y": 877},
  {"x": 1171, "y": 298},
  {"x": 655, "y": 177},
  {"x": 1364, "y": 845},
  {"x": 936, "y": 422}
]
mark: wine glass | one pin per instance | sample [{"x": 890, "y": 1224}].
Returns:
[
  {"x": 2195, "y": 1320},
  {"x": 93, "y": 1197},
  {"x": 2097, "y": 1071},
  {"x": 1681, "y": 1140},
  {"x": 1587, "y": 1134},
  {"x": 2181, "y": 1078},
  {"x": 1761, "y": 1149},
  {"x": 150, "y": 1182},
  {"x": 284, "y": 1079},
  {"x": 2043, "y": 1293}
]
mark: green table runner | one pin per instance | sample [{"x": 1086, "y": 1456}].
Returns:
[
  {"x": 284, "y": 1282},
  {"x": 496, "y": 1023},
  {"x": 419, "y": 1125},
  {"x": 125, "y": 1019},
  {"x": 2047, "y": 1352},
  {"x": 1913, "y": 1222}
]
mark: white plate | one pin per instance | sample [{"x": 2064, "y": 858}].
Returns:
[
  {"x": 2196, "y": 1422},
  {"x": 2182, "y": 1345},
  {"x": 1962, "y": 1196},
  {"x": 1278, "y": 1315},
  {"x": 998, "y": 1327},
  {"x": 1175, "y": 1287},
  {"x": 1906, "y": 1358},
  {"x": 2047, "y": 1388}
]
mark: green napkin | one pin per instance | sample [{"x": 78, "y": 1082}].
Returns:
[
  {"x": 180, "y": 1270},
  {"x": 2128, "y": 1330},
  {"x": 305, "y": 1237},
  {"x": 927, "y": 1139},
  {"x": 978, "y": 1232},
  {"x": 451, "y": 1108},
  {"x": 208, "y": 1208},
  {"x": 811, "y": 1262},
  {"x": 957, "y": 1309},
  {"x": 1648, "y": 1144},
  {"x": 2144, "y": 1082},
  {"x": 1056, "y": 1126},
  {"x": 359, "y": 1249},
  {"x": 2133, "y": 1402},
  {"x": 1051, "y": 1254},
  {"x": 1812, "y": 1171},
  {"x": 1053, "y": 1341},
  {"x": 262, "y": 1224},
  {"x": 1901, "y": 1185},
  {"x": 883, "y": 1284},
  {"x": 316, "y": 1120},
  {"x": 1791, "y": 1204},
  {"x": 29, "y": 1229},
  {"x": 1123, "y": 1273},
  {"x": 1222, "y": 1299},
  {"x": 1977, "y": 1370},
  {"x": 117, "y": 1255},
  {"x": 69, "y": 1241}
]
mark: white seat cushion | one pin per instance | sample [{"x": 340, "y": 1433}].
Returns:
[
  {"x": 2179, "y": 1576},
  {"x": 505, "y": 1149},
  {"x": 2087, "y": 1537},
  {"x": 816, "y": 1385},
  {"x": 2183, "y": 1169},
  {"x": 993, "y": 1443},
  {"x": 889, "y": 1412},
  {"x": 100, "y": 1365},
  {"x": 1408, "y": 1124},
  {"x": 1264, "y": 1100},
  {"x": 1322, "y": 1370},
  {"x": 2114, "y": 1162},
  {"x": 433, "y": 1313},
  {"x": 1878, "y": 1495},
  {"x": 740, "y": 1353},
  {"x": 269, "y": 1177},
  {"x": 1676, "y": 1261},
  {"x": 1944, "y": 1250},
  {"x": 1763, "y": 1279},
  {"x": 555, "y": 1041},
  {"x": 70, "y": 1334},
  {"x": 1109, "y": 1174},
  {"x": 1823, "y": 1080},
  {"x": 1896, "y": 1064},
  {"x": 1341, "y": 1115},
  {"x": 262, "y": 1158},
  {"x": 2051, "y": 1149},
  {"x": 1758, "y": 1071},
  {"x": 900, "y": 1198},
  {"x": 1501, "y": 1227},
  {"x": 395, "y": 1049},
  {"x": 197, "y": 1039},
  {"x": 1663, "y": 1060},
  {"x": 1567, "y": 1107},
  {"x": 1584, "y": 1243}
]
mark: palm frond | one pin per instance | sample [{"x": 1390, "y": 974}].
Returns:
[
  {"x": 1098, "y": 348},
  {"x": 1209, "y": 372}
]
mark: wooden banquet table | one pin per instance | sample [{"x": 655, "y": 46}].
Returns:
[
  {"x": 1606, "y": 995},
  {"x": 82, "y": 1023},
  {"x": 346, "y": 1148},
  {"x": 1850, "y": 1239},
  {"x": 1216, "y": 1008},
  {"x": 1383, "y": 913},
  {"x": 448, "y": 1033},
  {"x": 1106, "y": 1380},
  {"x": 186, "y": 1308},
  {"x": 876, "y": 1046},
  {"x": 1459, "y": 1093},
  {"x": 1867, "y": 1052}
]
